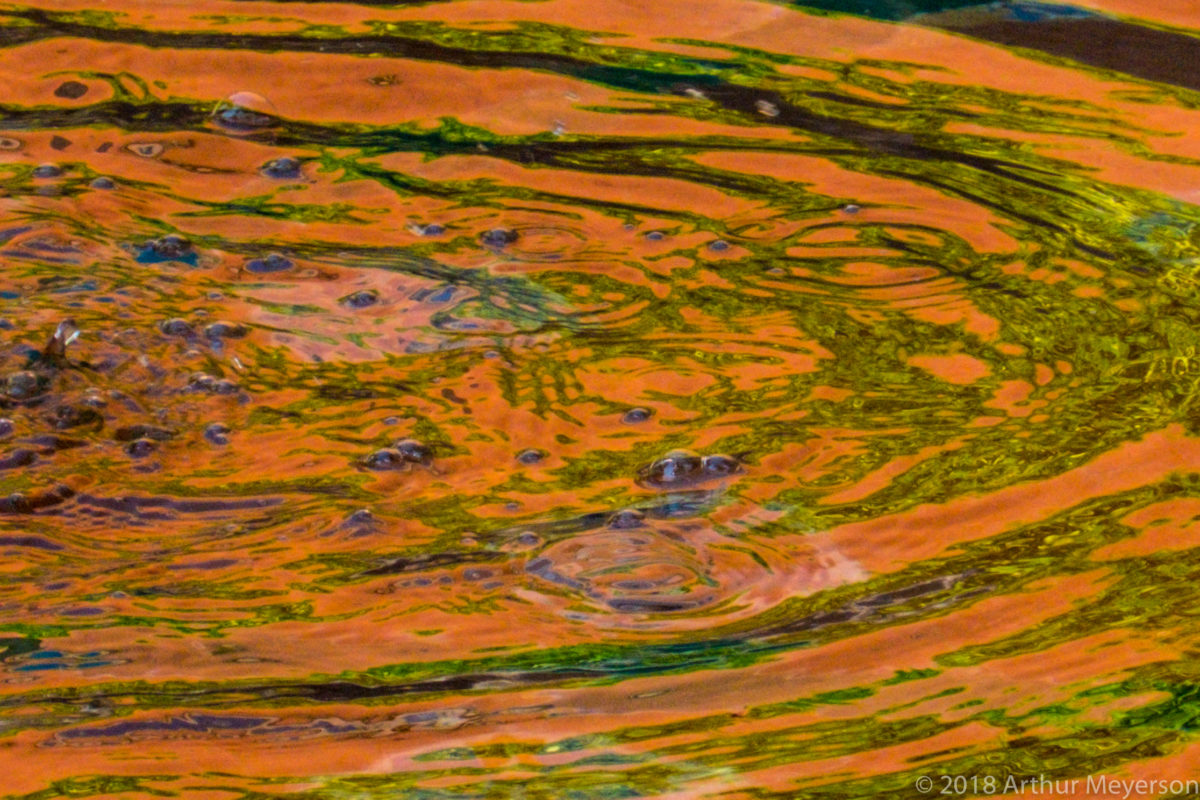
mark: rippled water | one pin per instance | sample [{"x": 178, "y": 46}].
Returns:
[{"x": 489, "y": 399}]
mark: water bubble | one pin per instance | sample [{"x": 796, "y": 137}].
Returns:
[
  {"x": 7, "y": 427},
  {"x": 530, "y": 456},
  {"x": 383, "y": 459},
  {"x": 721, "y": 465},
  {"x": 283, "y": 167},
  {"x": 851, "y": 209},
  {"x": 21, "y": 384},
  {"x": 361, "y": 517},
  {"x": 432, "y": 229},
  {"x": 47, "y": 171},
  {"x": 499, "y": 237},
  {"x": 103, "y": 183},
  {"x": 176, "y": 327},
  {"x": 140, "y": 448},
  {"x": 217, "y": 433},
  {"x": 413, "y": 451},
  {"x": 272, "y": 263},
  {"x": 225, "y": 330},
  {"x": 676, "y": 467},
  {"x": 168, "y": 248},
  {"x": 202, "y": 382},
  {"x": 627, "y": 518},
  {"x": 361, "y": 299},
  {"x": 766, "y": 108},
  {"x": 244, "y": 112},
  {"x": 68, "y": 416},
  {"x": 636, "y": 415},
  {"x": 145, "y": 149},
  {"x": 718, "y": 245},
  {"x": 655, "y": 236}
]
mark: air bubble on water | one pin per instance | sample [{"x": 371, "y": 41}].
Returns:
[
  {"x": 244, "y": 112},
  {"x": 766, "y": 108}
]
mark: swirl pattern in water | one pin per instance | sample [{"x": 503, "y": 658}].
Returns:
[{"x": 488, "y": 399}]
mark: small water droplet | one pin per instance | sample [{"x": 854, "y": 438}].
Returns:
[{"x": 47, "y": 171}]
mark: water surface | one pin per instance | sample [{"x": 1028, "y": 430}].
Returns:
[{"x": 489, "y": 399}]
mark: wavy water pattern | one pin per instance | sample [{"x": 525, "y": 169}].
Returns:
[{"x": 488, "y": 399}]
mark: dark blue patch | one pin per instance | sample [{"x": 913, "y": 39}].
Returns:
[
  {"x": 147, "y": 255},
  {"x": 44, "y": 654}
]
